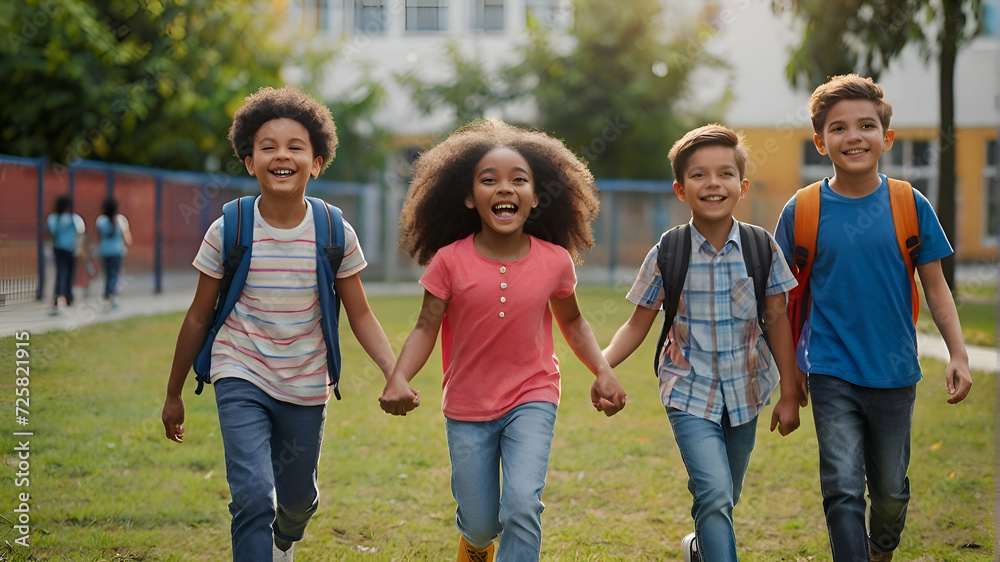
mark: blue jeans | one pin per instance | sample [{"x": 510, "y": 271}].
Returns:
[
  {"x": 112, "y": 269},
  {"x": 863, "y": 433},
  {"x": 518, "y": 443},
  {"x": 272, "y": 451},
  {"x": 716, "y": 457},
  {"x": 65, "y": 263}
]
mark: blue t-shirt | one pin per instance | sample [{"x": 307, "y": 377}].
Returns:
[
  {"x": 111, "y": 244},
  {"x": 64, "y": 229},
  {"x": 861, "y": 321}
]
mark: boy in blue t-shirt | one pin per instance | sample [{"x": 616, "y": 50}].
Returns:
[
  {"x": 716, "y": 370},
  {"x": 860, "y": 347}
]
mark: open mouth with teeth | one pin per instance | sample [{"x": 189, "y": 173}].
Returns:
[
  {"x": 283, "y": 173},
  {"x": 714, "y": 199},
  {"x": 504, "y": 210},
  {"x": 855, "y": 151}
]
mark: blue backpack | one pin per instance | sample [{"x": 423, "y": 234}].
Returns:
[
  {"x": 674, "y": 256},
  {"x": 238, "y": 238}
]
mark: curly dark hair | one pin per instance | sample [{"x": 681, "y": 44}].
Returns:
[
  {"x": 434, "y": 214},
  {"x": 269, "y": 103}
]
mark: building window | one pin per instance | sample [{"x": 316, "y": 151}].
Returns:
[
  {"x": 991, "y": 18},
  {"x": 310, "y": 15},
  {"x": 991, "y": 194},
  {"x": 548, "y": 13},
  {"x": 371, "y": 16},
  {"x": 487, "y": 15},
  {"x": 815, "y": 166},
  {"x": 915, "y": 161},
  {"x": 426, "y": 15}
]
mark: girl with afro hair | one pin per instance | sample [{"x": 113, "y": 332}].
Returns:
[{"x": 500, "y": 214}]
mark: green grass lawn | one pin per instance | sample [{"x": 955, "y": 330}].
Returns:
[
  {"x": 105, "y": 484},
  {"x": 976, "y": 301}
]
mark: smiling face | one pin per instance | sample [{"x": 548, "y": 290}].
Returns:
[
  {"x": 711, "y": 184},
  {"x": 503, "y": 191},
  {"x": 854, "y": 140},
  {"x": 283, "y": 158}
]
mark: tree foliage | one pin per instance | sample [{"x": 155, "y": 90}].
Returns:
[
  {"x": 616, "y": 88},
  {"x": 864, "y": 36},
  {"x": 144, "y": 82},
  {"x": 474, "y": 91},
  {"x": 132, "y": 81}
]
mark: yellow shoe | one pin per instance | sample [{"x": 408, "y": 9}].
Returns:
[{"x": 468, "y": 553}]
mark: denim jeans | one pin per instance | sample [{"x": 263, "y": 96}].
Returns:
[
  {"x": 716, "y": 457},
  {"x": 863, "y": 433},
  {"x": 272, "y": 451},
  {"x": 518, "y": 443},
  {"x": 65, "y": 264},
  {"x": 112, "y": 269}
]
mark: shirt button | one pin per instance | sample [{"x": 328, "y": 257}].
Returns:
[
  {"x": 503, "y": 285},
  {"x": 503, "y": 269},
  {"x": 501, "y": 314},
  {"x": 503, "y": 299}
]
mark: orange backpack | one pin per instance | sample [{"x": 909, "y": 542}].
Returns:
[{"x": 904, "y": 218}]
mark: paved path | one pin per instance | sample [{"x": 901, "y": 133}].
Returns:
[{"x": 137, "y": 299}]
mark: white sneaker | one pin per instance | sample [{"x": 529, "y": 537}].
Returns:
[
  {"x": 279, "y": 555},
  {"x": 689, "y": 545}
]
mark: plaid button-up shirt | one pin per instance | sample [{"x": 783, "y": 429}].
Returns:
[{"x": 718, "y": 359}]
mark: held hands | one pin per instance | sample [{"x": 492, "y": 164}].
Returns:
[
  {"x": 786, "y": 415},
  {"x": 398, "y": 397},
  {"x": 607, "y": 394},
  {"x": 173, "y": 418}
]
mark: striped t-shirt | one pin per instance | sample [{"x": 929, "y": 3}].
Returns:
[{"x": 273, "y": 336}]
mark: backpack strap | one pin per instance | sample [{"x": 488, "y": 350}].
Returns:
[
  {"x": 904, "y": 218},
  {"x": 803, "y": 254},
  {"x": 672, "y": 259},
  {"x": 237, "y": 238},
  {"x": 329, "y": 225},
  {"x": 757, "y": 258}
]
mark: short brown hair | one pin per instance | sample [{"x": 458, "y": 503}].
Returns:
[
  {"x": 847, "y": 87},
  {"x": 708, "y": 135}
]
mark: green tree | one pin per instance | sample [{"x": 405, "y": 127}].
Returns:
[
  {"x": 149, "y": 82},
  {"x": 363, "y": 145},
  {"x": 864, "y": 36},
  {"x": 622, "y": 94},
  {"x": 615, "y": 88},
  {"x": 474, "y": 91}
]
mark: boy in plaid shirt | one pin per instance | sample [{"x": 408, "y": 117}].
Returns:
[{"x": 716, "y": 371}]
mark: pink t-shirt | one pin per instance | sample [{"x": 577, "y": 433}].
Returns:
[{"x": 496, "y": 336}]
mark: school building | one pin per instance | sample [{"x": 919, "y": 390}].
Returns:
[
  {"x": 380, "y": 39},
  {"x": 384, "y": 38}
]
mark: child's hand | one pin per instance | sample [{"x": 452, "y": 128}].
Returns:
[
  {"x": 398, "y": 397},
  {"x": 173, "y": 418},
  {"x": 958, "y": 380},
  {"x": 786, "y": 415},
  {"x": 607, "y": 394}
]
